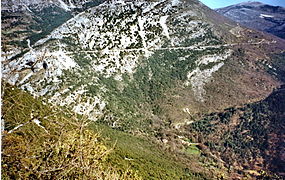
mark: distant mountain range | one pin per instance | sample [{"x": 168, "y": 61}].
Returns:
[{"x": 258, "y": 16}]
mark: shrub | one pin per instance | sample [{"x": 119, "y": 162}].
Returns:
[{"x": 65, "y": 149}]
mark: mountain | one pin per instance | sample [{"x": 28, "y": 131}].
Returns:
[
  {"x": 33, "y": 20},
  {"x": 142, "y": 71},
  {"x": 257, "y": 16},
  {"x": 249, "y": 138}
]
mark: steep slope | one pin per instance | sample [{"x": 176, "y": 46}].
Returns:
[
  {"x": 248, "y": 138},
  {"x": 43, "y": 142},
  {"x": 25, "y": 22},
  {"x": 258, "y": 16},
  {"x": 117, "y": 62},
  {"x": 40, "y": 141}
]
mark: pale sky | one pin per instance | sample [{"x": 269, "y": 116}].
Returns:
[{"x": 223, "y": 3}]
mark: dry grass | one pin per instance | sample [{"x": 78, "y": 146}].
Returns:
[{"x": 63, "y": 148}]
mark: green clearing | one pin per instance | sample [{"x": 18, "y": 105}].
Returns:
[{"x": 193, "y": 150}]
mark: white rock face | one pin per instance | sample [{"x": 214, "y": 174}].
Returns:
[
  {"x": 38, "y": 123},
  {"x": 18, "y": 72},
  {"x": 214, "y": 58},
  {"x": 18, "y": 5},
  {"x": 162, "y": 22},
  {"x": 111, "y": 41},
  {"x": 198, "y": 78},
  {"x": 63, "y": 5},
  {"x": 175, "y": 2},
  {"x": 62, "y": 60},
  {"x": 265, "y": 16}
]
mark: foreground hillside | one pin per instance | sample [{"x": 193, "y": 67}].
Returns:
[{"x": 43, "y": 142}]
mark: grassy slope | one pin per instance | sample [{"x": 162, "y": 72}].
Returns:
[
  {"x": 132, "y": 157},
  {"x": 139, "y": 153},
  {"x": 61, "y": 148}
]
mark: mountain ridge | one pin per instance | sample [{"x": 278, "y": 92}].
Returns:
[
  {"x": 112, "y": 61},
  {"x": 258, "y": 16}
]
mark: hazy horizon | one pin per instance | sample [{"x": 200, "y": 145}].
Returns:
[{"x": 223, "y": 3}]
